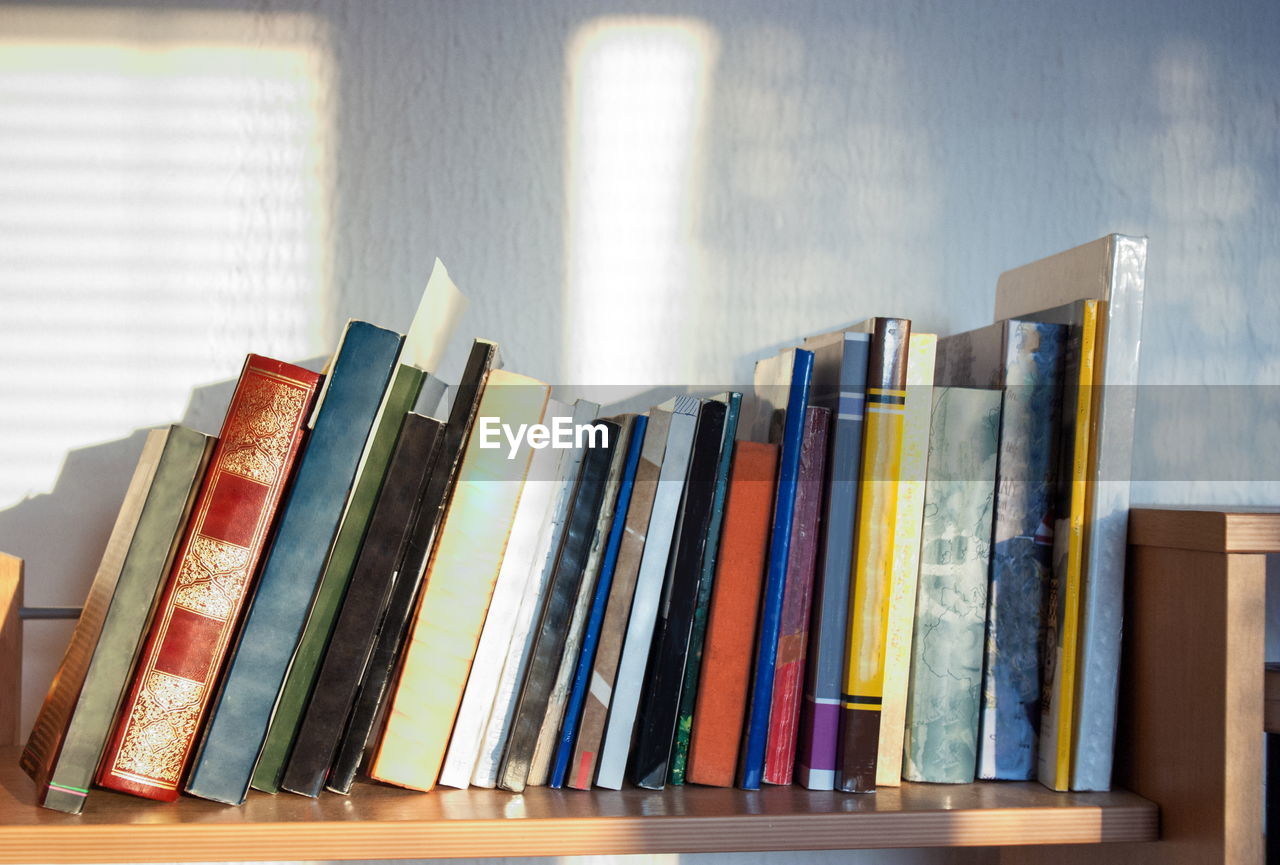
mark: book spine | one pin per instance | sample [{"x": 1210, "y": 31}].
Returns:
[
  {"x": 757, "y": 729},
  {"x": 698, "y": 636},
  {"x": 946, "y": 654},
  {"x": 398, "y": 398},
  {"x": 612, "y": 762},
  {"x": 338, "y": 679},
  {"x": 241, "y": 709},
  {"x": 1115, "y": 397},
  {"x": 921, "y": 356},
  {"x": 660, "y": 706},
  {"x": 502, "y": 621},
  {"x": 156, "y": 730},
  {"x": 1062, "y": 628},
  {"x": 793, "y": 639},
  {"x": 456, "y": 591},
  {"x": 604, "y": 586},
  {"x": 152, "y": 547},
  {"x": 370, "y": 704},
  {"x": 1021, "y": 551},
  {"x": 544, "y": 749},
  {"x": 859, "y": 734},
  {"x": 845, "y": 396},
  {"x": 731, "y": 622},
  {"x": 613, "y": 629},
  {"x": 498, "y": 730}
]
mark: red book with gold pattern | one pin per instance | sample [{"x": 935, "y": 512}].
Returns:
[{"x": 195, "y": 620}]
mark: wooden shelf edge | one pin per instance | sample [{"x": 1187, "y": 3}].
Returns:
[{"x": 1212, "y": 530}]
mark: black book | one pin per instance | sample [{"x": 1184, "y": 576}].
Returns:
[
  {"x": 562, "y": 592},
  {"x": 379, "y": 673},
  {"x": 356, "y": 630},
  {"x": 660, "y": 704}
]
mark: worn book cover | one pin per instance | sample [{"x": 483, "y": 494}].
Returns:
[
  {"x": 155, "y": 732},
  {"x": 71, "y": 729},
  {"x": 946, "y": 653}
]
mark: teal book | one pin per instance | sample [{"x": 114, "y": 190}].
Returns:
[{"x": 941, "y": 737}]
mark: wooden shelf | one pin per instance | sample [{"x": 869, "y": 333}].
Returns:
[{"x": 378, "y": 822}]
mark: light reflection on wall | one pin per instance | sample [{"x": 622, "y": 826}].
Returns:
[
  {"x": 163, "y": 197},
  {"x": 638, "y": 89}
]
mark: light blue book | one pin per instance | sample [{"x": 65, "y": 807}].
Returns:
[
  {"x": 256, "y": 669},
  {"x": 940, "y": 744}
]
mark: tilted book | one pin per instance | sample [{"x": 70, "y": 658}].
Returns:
[
  {"x": 627, "y": 686},
  {"x": 702, "y": 606},
  {"x": 921, "y": 355},
  {"x": 941, "y": 742},
  {"x": 613, "y": 628},
  {"x": 370, "y": 705},
  {"x": 873, "y": 560},
  {"x": 71, "y": 729},
  {"x": 551, "y": 642},
  {"x": 408, "y": 472},
  {"x": 1113, "y": 270},
  {"x": 493, "y": 744},
  {"x": 731, "y": 621},
  {"x": 1025, "y": 359},
  {"x": 790, "y": 373},
  {"x": 504, "y": 609},
  {"x": 660, "y": 702},
  {"x": 793, "y": 639},
  {"x": 840, "y": 385},
  {"x": 634, "y": 427},
  {"x": 156, "y": 730},
  {"x": 242, "y": 708},
  {"x": 456, "y": 591}
]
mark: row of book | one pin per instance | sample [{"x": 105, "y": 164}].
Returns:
[{"x": 842, "y": 577}]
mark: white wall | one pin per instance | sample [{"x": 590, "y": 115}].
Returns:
[{"x": 704, "y": 181}]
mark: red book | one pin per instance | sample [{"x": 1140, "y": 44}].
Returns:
[
  {"x": 196, "y": 617},
  {"x": 793, "y": 639},
  {"x": 731, "y": 624}
]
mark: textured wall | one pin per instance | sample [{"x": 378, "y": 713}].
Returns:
[{"x": 796, "y": 166}]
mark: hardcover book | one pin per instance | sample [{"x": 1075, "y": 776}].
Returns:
[
  {"x": 660, "y": 702},
  {"x": 338, "y": 679},
  {"x": 241, "y": 711},
  {"x": 731, "y": 622},
  {"x": 155, "y": 732},
  {"x": 634, "y": 427},
  {"x": 859, "y": 734},
  {"x": 793, "y": 368},
  {"x": 369, "y": 708},
  {"x": 456, "y": 591},
  {"x": 702, "y": 607},
  {"x": 921, "y": 355},
  {"x": 629, "y": 682},
  {"x": 839, "y": 385},
  {"x": 946, "y": 654},
  {"x": 1113, "y": 270},
  {"x": 793, "y": 640},
  {"x": 71, "y": 729},
  {"x": 613, "y": 629},
  {"x": 562, "y": 594}
]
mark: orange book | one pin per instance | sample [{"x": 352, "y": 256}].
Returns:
[{"x": 731, "y": 625}]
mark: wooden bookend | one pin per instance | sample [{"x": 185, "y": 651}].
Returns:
[{"x": 10, "y": 648}]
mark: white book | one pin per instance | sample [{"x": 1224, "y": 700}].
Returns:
[
  {"x": 507, "y": 694},
  {"x": 508, "y": 593},
  {"x": 616, "y": 747}
]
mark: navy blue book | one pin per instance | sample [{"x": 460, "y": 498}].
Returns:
[
  {"x": 769, "y": 374},
  {"x": 590, "y": 639},
  {"x": 242, "y": 710}
]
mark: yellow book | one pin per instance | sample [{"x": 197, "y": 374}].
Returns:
[
  {"x": 1063, "y": 626},
  {"x": 859, "y": 730},
  {"x": 921, "y": 355},
  {"x": 459, "y": 582}
]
